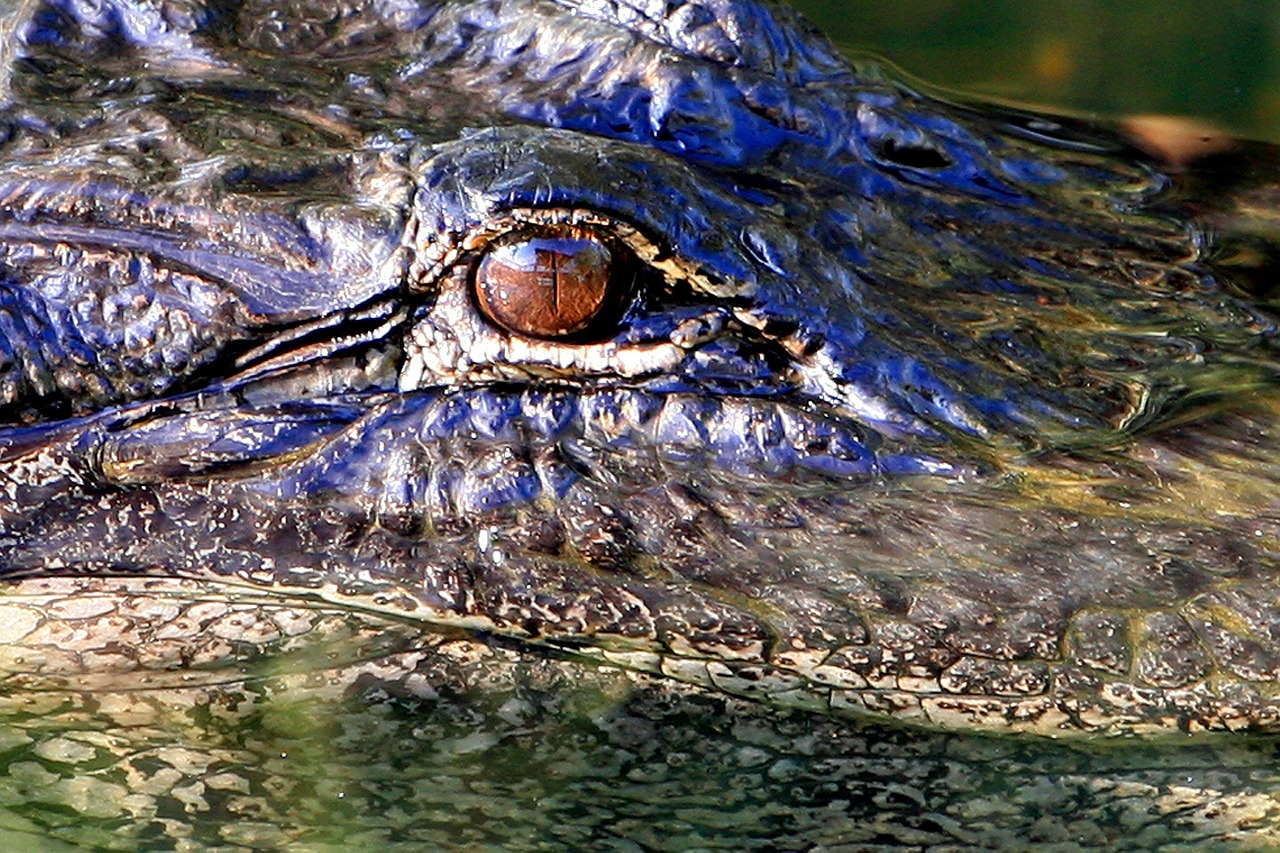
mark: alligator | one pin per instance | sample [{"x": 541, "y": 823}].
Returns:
[{"x": 650, "y": 346}]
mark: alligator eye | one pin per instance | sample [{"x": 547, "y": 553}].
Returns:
[{"x": 552, "y": 283}]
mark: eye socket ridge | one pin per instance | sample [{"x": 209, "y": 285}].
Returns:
[{"x": 554, "y": 281}]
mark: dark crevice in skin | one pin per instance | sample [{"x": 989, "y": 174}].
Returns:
[
  {"x": 913, "y": 156},
  {"x": 903, "y": 388}
]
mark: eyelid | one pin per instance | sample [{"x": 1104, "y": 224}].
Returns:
[
  {"x": 438, "y": 254},
  {"x": 451, "y": 337}
]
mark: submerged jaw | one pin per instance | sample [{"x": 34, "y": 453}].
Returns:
[{"x": 848, "y": 279}]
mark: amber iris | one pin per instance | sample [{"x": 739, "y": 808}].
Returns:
[{"x": 547, "y": 285}]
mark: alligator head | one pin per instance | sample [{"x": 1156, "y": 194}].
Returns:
[{"x": 651, "y": 335}]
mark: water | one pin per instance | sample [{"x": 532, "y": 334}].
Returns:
[
  {"x": 516, "y": 753},
  {"x": 1219, "y": 62}
]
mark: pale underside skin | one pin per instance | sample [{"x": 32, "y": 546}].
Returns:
[{"x": 933, "y": 435}]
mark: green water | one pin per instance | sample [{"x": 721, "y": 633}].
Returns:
[
  {"x": 534, "y": 755},
  {"x": 1216, "y": 61}
]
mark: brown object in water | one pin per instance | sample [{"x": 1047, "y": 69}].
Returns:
[{"x": 1176, "y": 142}]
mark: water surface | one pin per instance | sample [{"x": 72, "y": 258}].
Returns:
[{"x": 1219, "y": 62}]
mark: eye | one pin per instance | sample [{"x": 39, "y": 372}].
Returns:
[{"x": 555, "y": 282}]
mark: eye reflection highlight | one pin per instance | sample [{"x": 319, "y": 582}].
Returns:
[{"x": 554, "y": 283}]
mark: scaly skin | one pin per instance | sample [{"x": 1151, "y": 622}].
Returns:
[{"x": 954, "y": 415}]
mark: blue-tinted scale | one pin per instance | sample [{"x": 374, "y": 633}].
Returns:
[
  {"x": 935, "y": 398},
  {"x": 681, "y": 423},
  {"x": 837, "y": 467},
  {"x": 495, "y": 480},
  {"x": 657, "y": 322},
  {"x": 909, "y": 465},
  {"x": 873, "y": 369},
  {"x": 929, "y": 391},
  {"x": 347, "y": 463},
  {"x": 744, "y": 142},
  {"x": 614, "y": 419},
  {"x": 444, "y": 416},
  {"x": 235, "y": 440},
  {"x": 444, "y": 482},
  {"x": 30, "y": 335},
  {"x": 736, "y": 435},
  {"x": 547, "y": 413},
  {"x": 140, "y": 25},
  {"x": 556, "y": 474},
  {"x": 278, "y": 434},
  {"x": 880, "y": 131},
  {"x": 47, "y": 27},
  {"x": 743, "y": 436},
  {"x": 972, "y": 161},
  {"x": 732, "y": 367},
  {"x": 492, "y": 415},
  {"x": 1029, "y": 170}
]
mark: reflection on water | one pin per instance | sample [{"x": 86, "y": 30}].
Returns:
[{"x": 512, "y": 753}]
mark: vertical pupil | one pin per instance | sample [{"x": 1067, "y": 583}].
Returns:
[
  {"x": 545, "y": 286},
  {"x": 547, "y": 259}
]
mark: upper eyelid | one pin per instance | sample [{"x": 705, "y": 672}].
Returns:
[{"x": 436, "y": 255}]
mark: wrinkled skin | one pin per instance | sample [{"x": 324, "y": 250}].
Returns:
[{"x": 916, "y": 410}]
